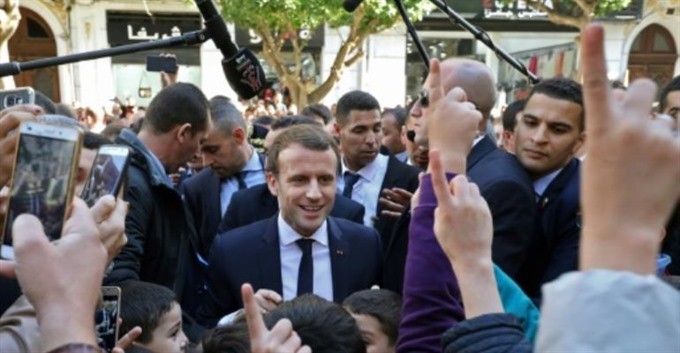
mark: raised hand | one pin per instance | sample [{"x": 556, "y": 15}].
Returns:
[
  {"x": 462, "y": 220},
  {"x": 280, "y": 339},
  {"x": 464, "y": 230},
  {"x": 631, "y": 172},
  {"x": 452, "y": 122},
  {"x": 62, "y": 280}
]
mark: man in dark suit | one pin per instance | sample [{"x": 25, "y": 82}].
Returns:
[
  {"x": 231, "y": 163},
  {"x": 501, "y": 179},
  {"x": 548, "y": 134},
  {"x": 366, "y": 172},
  {"x": 300, "y": 250},
  {"x": 257, "y": 203}
]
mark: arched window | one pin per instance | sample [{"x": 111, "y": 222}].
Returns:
[
  {"x": 653, "y": 55},
  {"x": 33, "y": 40}
]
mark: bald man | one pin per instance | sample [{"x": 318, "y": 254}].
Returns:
[
  {"x": 433, "y": 304},
  {"x": 501, "y": 179}
]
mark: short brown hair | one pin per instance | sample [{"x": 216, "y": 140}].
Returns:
[{"x": 311, "y": 137}]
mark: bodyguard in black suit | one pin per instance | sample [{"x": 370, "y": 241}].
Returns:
[
  {"x": 231, "y": 164},
  {"x": 547, "y": 137},
  {"x": 257, "y": 203},
  {"x": 501, "y": 180},
  {"x": 507, "y": 189},
  {"x": 366, "y": 172},
  {"x": 557, "y": 233},
  {"x": 301, "y": 249}
]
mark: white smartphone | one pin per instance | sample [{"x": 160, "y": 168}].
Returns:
[{"x": 43, "y": 177}]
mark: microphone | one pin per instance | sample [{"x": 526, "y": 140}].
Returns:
[
  {"x": 351, "y": 5},
  {"x": 241, "y": 67}
]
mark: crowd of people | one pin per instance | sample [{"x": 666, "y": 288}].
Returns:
[{"x": 357, "y": 229}]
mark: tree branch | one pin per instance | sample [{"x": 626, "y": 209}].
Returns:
[
  {"x": 270, "y": 49},
  {"x": 297, "y": 55}
]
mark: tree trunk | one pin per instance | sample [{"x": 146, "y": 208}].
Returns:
[{"x": 9, "y": 21}]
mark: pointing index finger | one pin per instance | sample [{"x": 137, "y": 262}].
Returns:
[
  {"x": 435, "y": 84},
  {"x": 595, "y": 84},
  {"x": 254, "y": 320}
]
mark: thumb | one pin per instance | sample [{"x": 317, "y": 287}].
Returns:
[{"x": 28, "y": 235}]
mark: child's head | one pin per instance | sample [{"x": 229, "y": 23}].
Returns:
[
  {"x": 154, "y": 309},
  {"x": 322, "y": 325},
  {"x": 378, "y": 313}
]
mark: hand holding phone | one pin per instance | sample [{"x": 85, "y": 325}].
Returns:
[
  {"x": 107, "y": 173},
  {"x": 42, "y": 180}
]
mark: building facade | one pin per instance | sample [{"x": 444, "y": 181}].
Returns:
[{"x": 641, "y": 42}]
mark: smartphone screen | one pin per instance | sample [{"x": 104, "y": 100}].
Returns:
[
  {"x": 43, "y": 176},
  {"x": 161, "y": 63},
  {"x": 107, "y": 173},
  {"x": 106, "y": 318}
]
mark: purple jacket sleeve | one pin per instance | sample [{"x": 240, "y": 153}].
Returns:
[{"x": 431, "y": 302}]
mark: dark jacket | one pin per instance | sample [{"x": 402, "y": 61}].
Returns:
[
  {"x": 257, "y": 203},
  {"x": 252, "y": 254},
  {"x": 202, "y": 193},
  {"x": 490, "y": 333},
  {"x": 554, "y": 248},
  {"x": 158, "y": 233},
  {"x": 507, "y": 189}
]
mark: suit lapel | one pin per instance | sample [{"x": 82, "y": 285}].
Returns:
[
  {"x": 269, "y": 258},
  {"x": 212, "y": 191},
  {"x": 481, "y": 149},
  {"x": 339, "y": 253},
  {"x": 557, "y": 185}
]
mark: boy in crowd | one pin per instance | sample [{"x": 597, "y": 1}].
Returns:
[
  {"x": 378, "y": 313},
  {"x": 153, "y": 308}
]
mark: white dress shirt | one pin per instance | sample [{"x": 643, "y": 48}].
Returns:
[
  {"x": 254, "y": 176},
  {"x": 368, "y": 188},
  {"x": 291, "y": 254}
]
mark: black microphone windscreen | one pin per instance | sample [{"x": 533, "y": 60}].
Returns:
[
  {"x": 351, "y": 5},
  {"x": 244, "y": 73}
]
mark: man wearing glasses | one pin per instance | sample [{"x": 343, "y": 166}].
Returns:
[{"x": 501, "y": 179}]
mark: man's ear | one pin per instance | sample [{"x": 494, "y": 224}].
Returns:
[
  {"x": 337, "y": 128},
  {"x": 579, "y": 143},
  {"x": 183, "y": 133},
  {"x": 239, "y": 135},
  {"x": 272, "y": 183}
]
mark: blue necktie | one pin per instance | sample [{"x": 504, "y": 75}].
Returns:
[
  {"x": 350, "y": 180},
  {"x": 241, "y": 179},
  {"x": 306, "y": 271}
]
